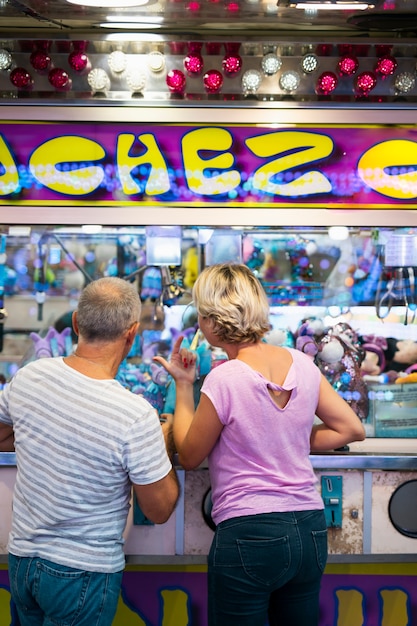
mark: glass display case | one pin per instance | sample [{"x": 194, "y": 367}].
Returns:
[{"x": 344, "y": 295}]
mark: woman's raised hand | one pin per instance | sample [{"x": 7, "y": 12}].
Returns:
[{"x": 182, "y": 363}]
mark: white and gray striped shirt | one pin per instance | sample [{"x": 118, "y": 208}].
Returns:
[{"x": 80, "y": 443}]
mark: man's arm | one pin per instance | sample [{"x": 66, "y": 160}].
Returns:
[
  {"x": 157, "y": 500},
  {"x": 6, "y": 438}
]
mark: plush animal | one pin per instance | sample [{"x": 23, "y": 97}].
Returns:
[
  {"x": 190, "y": 267},
  {"x": 156, "y": 389},
  {"x": 400, "y": 354},
  {"x": 54, "y": 343},
  {"x": 151, "y": 284},
  {"x": 280, "y": 337},
  {"x": 133, "y": 377},
  {"x": 339, "y": 359},
  {"x": 307, "y": 344},
  {"x": 374, "y": 361},
  {"x": 308, "y": 334}
]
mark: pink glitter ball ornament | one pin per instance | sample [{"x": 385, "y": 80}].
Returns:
[
  {"x": 348, "y": 65},
  {"x": 193, "y": 64},
  {"x": 79, "y": 62},
  {"x": 232, "y": 61},
  {"x": 40, "y": 61},
  {"x": 176, "y": 81},
  {"x": 213, "y": 81},
  {"x": 60, "y": 79},
  {"x": 20, "y": 78},
  {"x": 386, "y": 66},
  {"x": 365, "y": 82},
  {"x": 326, "y": 83},
  {"x": 232, "y": 64}
]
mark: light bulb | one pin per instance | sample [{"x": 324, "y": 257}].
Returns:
[
  {"x": 289, "y": 81},
  {"x": 6, "y": 59},
  {"x": 156, "y": 61},
  {"x": 309, "y": 63},
  {"x": 271, "y": 64},
  {"x": 136, "y": 80},
  {"x": 117, "y": 61},
  {"x": 404, "y": 82},
  {"x": 251, "y": 81},
  {"x": 98, "y": 80}
]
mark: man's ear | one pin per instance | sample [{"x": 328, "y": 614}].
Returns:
[
  {"x": 132, "y": 332},
  {"x": 75, "y": 322}
]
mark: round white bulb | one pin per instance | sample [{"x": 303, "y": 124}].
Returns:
[
  {"x": 136, "y": 81},
  {"x": 271, "y": 64},
  {"x": 289, "y": 81},
  {"x": 117, "y": 61},
  {"x": 156, "y": 61},
  {"x": 6, "y": 59},
  {"x": 251, "y": 81},
  {"x": 98, "y": 80},
  {"x": 309, "y": 63},
  {"x": 404, "y": 82}
]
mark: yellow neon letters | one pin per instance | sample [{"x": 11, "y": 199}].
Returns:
[
  {"x": 158, "y": 180},
  {"x": 305, "y": 147},
  {"x": 213, "y": 163},
  {"x": 209, "y": 140},
  {"x": 45, "y": 160},
  {"x": 397, "y": 153},
  {"x": 9, "y": 180}
]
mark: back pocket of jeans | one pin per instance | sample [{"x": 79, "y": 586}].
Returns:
[
  {"x": 60, "y": 592},
  {"x": 265, "y": 560},
  {"x": 320, "y": 544}
]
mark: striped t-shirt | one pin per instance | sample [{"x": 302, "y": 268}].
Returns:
[{"x": 80, "y": 443}]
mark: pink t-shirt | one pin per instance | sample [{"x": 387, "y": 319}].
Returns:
[{"x": 260, "y": 463}]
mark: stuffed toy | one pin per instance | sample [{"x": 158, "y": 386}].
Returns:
[
  {"x": 156, "y": 390},
  {"x": 339, "y": 360},
  {"x": 280, "y": 337},
  {"x": 308, "y": 334},
  {"x": 374, "y": 362},
  {"x": 400, "y": 354},
  {"x": 190, "y": 267},
  {"x": 307, "y": 344},
  {"x": 53, "y": 344}
]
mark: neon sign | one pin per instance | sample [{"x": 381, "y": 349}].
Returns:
[{"x": 122, "y": 164}]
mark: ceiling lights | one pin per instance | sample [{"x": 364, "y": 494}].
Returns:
[
  {"x": 109, "y": 4},
  {"x": 333, "y": 5}
]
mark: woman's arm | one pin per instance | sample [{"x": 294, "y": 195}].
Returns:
[
  {"x": 340, "y": 424},
  {"x": 195, "y": 430}
]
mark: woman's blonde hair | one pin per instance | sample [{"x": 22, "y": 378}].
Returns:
[{"x": 234, "y": 299}]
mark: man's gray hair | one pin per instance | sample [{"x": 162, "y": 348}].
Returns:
[{"x": 107, "y": 308}]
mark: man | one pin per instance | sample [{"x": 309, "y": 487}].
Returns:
[{"x": 81, "y": 442}]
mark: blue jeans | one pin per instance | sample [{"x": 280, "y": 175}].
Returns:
[
  {"x": 48, "y": 594},
  {"x": 267, "y": 566}
]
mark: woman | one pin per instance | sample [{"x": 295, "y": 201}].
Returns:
[{"x": 254, "y": 421}]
